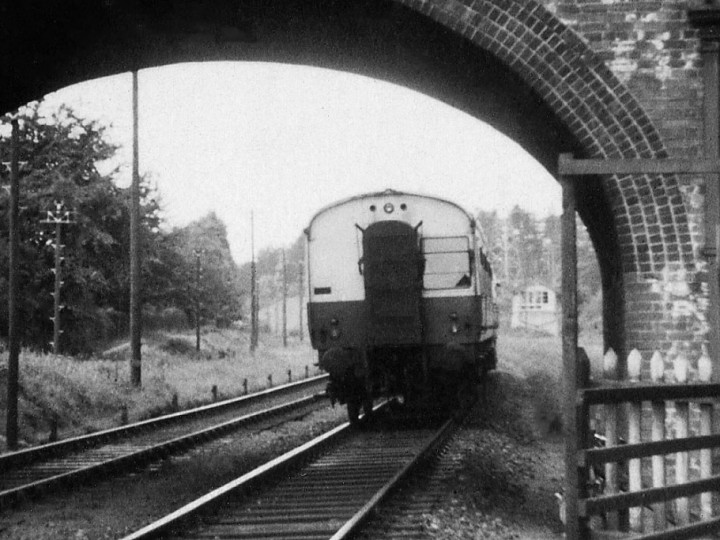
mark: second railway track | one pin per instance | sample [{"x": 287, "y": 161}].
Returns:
[
  {"x": 27, "y": 473},
  {"x": 324, "y": 489}
]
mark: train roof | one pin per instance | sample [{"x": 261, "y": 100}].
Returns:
[{"x": 386, "y": 192}]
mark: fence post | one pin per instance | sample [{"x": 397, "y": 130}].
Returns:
[
  {"x": 575, "y": 487},
  {"x": 634, "y": 365},
  {"x": 269, "y": 383},
  {"x": 214, "y": 391},
  {"x": 682, "y": 420},
  {"x": 657, "y": 372},
  {"x": 289, "y": 375},
  {"x": 611, "y": 438},
  {"x": 706, "y": 414},
  {"x": 245, "y": 387},
  {"x": 307, "y": 372}
]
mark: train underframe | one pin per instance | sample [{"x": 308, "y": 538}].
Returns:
[{"x": 424, "y": 378}]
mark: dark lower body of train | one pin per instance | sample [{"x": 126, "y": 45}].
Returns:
[{"x": 430, "y": 349}]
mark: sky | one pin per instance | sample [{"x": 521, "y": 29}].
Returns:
[{"x": 285, "y": 141}]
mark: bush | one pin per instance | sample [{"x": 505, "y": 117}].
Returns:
[
  {"x": 85, "y": 329},
  {"x": 178, "y": 345},
  {"x": 169, "y": 318}
]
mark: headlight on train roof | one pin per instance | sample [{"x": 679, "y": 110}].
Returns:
[{"x": 389, "y": 208}]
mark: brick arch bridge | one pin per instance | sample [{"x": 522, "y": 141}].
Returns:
[{"x": 556, "y": 76}]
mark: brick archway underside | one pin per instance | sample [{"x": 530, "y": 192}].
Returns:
[
  {"x": 607, "y": 121},
  {"x": 510, "y": 63}
]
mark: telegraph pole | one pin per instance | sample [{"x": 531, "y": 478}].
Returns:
[
  {"x": 506, "y": 254},
  {"x": 135, "y": 285},
  {"x": 198, "y": 276},
  {"x": 59, "y": 217},
  {"x": 284, "y": 301},
  {"x": 253, "y": 289},
  {"x": 300, "y": 300},
  {"x": 11, "y": 431}
]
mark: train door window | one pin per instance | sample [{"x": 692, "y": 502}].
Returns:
[{"x": 447, "y": 262}]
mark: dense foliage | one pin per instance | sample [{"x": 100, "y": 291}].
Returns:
[
  {"x": 525, "y": 250},
  {"x": 210, "y": 280},
  {"x": 61, "y": 153}
]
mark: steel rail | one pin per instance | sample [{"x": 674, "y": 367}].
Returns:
[
  {"x": 136, "y": 457},
  {"x": 84, "y": 442},
  {"x": 245, "y": 482},
  {"x": 358, "y": 510},
  {"x": 355, "y": 523}
]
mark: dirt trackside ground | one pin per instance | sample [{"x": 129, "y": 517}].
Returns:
[{"x": 511, "y": 467}]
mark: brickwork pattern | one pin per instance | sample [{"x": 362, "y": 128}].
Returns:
[
  {"x": 591, "y": 61},
  {"x": 597, "y": 107}
]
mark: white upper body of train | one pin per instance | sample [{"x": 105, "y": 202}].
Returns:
[
  {"x": 430, "y": 279},
  {"x": 450, "y": 242}
]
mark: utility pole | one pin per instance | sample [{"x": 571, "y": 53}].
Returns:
[
  {"x": 284, "y": 300},
  {"x": 11, "y": 431},
  {"x": 198, "y": 276},
  {"x": 300, "y": 300},
  {"x": 253, "y": 289},
  {"x": 135, "y": 285},
  {"x": 506, "y": 254},
  {"x": 59, "y": 217}
]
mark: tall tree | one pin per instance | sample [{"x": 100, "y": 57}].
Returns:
[
  {"x": 61, "y": 152},
  {"x": 210, "y": 274}
]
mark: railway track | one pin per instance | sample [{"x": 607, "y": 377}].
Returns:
[
  {"x": 406, "y": 513},
  {"x": 326, "y": 488},
  {"x": 28, "y": 473}
]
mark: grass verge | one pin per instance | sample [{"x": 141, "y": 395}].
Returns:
[{"x": 87, "y": 395}]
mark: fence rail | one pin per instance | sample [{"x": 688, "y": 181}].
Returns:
[{"x": 668, "y": 422}]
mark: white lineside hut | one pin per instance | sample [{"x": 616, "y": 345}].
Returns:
[{"x": 535, "y": 308}]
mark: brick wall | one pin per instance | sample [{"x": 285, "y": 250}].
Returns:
[
  {"x": 624, "y": 76},
  {"x": 654, "y": 52}
]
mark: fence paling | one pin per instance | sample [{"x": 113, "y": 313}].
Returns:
[
  {"x": 682, "y": 431},
  {"x": 634, "y": 417},
  {"x": 682, "y": 461},
  {"x": 657, "y": 371},
  {"x": 633, "y": 392},
  {"x": 612, "y": 485},
  {"x": 706, "y": 417}
]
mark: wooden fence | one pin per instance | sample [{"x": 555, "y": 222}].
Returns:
[{"x": 657, "y": 480}]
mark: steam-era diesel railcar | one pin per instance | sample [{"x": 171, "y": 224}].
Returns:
[{"x": 401, "y": 299}]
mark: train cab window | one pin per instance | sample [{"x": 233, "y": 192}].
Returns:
[{"x": 447, "y": 263}]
